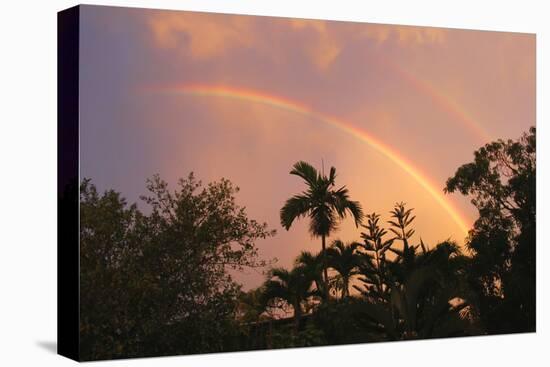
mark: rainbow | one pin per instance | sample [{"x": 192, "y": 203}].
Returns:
[
  {"x": 255, "y": 96},
  {"x": 446, "y": 103}
]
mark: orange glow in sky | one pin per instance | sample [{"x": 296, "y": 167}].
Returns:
[
  {"x": 395, "y": 109},
  {"x": 278, "y": 102}
]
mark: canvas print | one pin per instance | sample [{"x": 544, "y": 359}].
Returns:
[{"x": 254, "y": 183}]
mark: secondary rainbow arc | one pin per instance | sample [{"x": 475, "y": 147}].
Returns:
[
  {"x": 255, "y": 96},
  {"x": 443, "y": 101}
]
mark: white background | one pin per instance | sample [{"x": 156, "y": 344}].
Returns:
[{"x": 28, "y": 182}]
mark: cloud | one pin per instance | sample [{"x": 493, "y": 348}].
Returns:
[
  {"x": 403, "y": 35},
  {"x": 208, "y": 35},
  {"x": 331, "y": 37},
  {"x": 204, "y": 35},
  {"x": 325, "y": 49}
]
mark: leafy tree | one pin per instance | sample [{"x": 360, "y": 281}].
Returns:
[
  {"x": 310, "y": 335},
  {"x": 252, "y": 314},
  {"x": 501, "y": 182},
  {"x": 149, "y": 281},
  {"x": 322, "y": 203},
  {"x": 251, "y": 306},
  {"x": 342, "y": 321},
  {"x": 109, "y": 229}
]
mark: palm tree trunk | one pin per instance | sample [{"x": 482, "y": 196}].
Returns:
[
  {"x": 270, "y": 335},
  {"x": 325, "y": 272},
  {"x": 345, "y": 291},
  {"x": 407, "y": 255},
  {"x": 380, "y": 262},
  {"x": 297, "y": 318}
]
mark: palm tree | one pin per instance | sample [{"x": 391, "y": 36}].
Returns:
[
  {"x": 322, "y": 203},
  {"x": 432, "y": 299},
  {"x": 345, "y": 260},
  {"x": 250, "y": 306},
  {"x": 313, "y": 265},
  {"x": 250, "y": 311},
  {"x": 292, "y": 286}
]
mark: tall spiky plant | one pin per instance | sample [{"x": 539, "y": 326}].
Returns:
[
  {"x": 373, "y": 266},
  {"x": 400, "y": 226}
]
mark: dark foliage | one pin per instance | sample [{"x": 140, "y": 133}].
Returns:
[
  {"x": 158, "y": 283},
  {"x": 501, "y": 181}
]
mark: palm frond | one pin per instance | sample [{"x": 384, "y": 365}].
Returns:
[
  {"x": 306, "y": 171},
  {"x": 295, "y": 207},
  {"x": 322, "y": 221},
  {"x": 332, "y": 175}
]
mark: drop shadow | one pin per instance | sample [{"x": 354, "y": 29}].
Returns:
[{"x": 50, "y": 346}]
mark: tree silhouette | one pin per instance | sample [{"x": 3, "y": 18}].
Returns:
[
  {"x": 373, "y": 260},
  {"x": 502, "y": 184},
  {"x": 420, "y": 292},
  {"x": 322, "y": 203},
  {"x": 426, "y": 298},
  {"x": 313, "y": 266},
  {"x": 293, "y": 287},
  {"x": 159, "y": 281},
  {"x": 250, "y": 306},
  {"x": 400, "y": 223},
  {"x": 345, "y": 259},
  {"x": 150, "y": 281}
]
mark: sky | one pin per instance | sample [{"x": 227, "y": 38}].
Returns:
[{"x": 396, "y": 109}]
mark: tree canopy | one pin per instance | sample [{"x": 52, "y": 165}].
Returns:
[
  {"x": 149, "y": 281},
  {"x": 501, "y": 182}
]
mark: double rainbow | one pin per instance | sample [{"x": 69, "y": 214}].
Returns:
[{"x": 248, "y": 95}]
